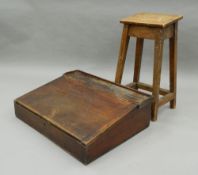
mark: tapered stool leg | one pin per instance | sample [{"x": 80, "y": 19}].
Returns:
[
  {"x": 158, "y": 51},
  {"x": 138, "y": 60},
  {"x": 122, "y": 54},
  {"x": 173, "y": 65}
]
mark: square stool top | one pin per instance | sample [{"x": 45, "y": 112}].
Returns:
[{"x": 151, "y": 19}]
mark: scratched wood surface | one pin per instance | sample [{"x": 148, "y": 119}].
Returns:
[
  {"x": 152, "y": 19},
  {"x": 82, "y": 105},
  {"x": 85, "y": 115},
  {"x": 157, "y": 27}
]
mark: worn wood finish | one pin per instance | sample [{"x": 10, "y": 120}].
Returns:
[
  {"x": 158, "y": 27},
  {"x": 84, "y": 114},
  {"x": 173, "y": 64},
  {"x": 156, "y": 76},
  {"x": 167, "y": 95},
  {"x": 166, "y": 98},
  {"x": 127, "y": 127},
  {"x": 153, "y": 33},
  {"x": 122, "y": 54},
  {"x": 151, "y": 19},
  {"x": 138, "y": 59},
  {"x": 148, "y": 87}
]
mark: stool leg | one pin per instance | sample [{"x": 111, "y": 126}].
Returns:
[
  {"x": 173, "y": 65},
  {"x": 138, "y": 60},
  {"x": 158, "y": 51},
  {"x": 122, "y": 54}
]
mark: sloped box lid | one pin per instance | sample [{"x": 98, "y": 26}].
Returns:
[{"x": 82, "y": 105}]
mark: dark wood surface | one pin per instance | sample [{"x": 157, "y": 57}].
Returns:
[{"x": 81, "y": 112}]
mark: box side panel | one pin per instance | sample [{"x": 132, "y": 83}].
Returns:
[
  {"x": 61, "y": 138},
  {"x": 130, "y": 125}
]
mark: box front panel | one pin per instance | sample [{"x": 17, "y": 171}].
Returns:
[{"x": 62, "y": 139}]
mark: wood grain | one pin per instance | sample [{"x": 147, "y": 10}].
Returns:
[
  {"x": 138, "y": 59},
  {"x": 157, "y": 27},
  {"x": 122, "y": 54},
  {"x": 147, "y": 32},
  {"x": 173, "y": 65},
  {"x": 158, "y": 51},
  {"x": 77, "y": 109},
  {"x": 147, "y": 87},
  {"x": 151, "y": 19}
]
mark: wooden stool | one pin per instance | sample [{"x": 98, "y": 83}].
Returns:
[{"x": 157, "y": 27}]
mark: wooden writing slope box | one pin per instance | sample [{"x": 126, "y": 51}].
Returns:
[{"x": 84, "y": 114}]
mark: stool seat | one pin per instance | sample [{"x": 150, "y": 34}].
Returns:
[{"x": 152, "y": 19}]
